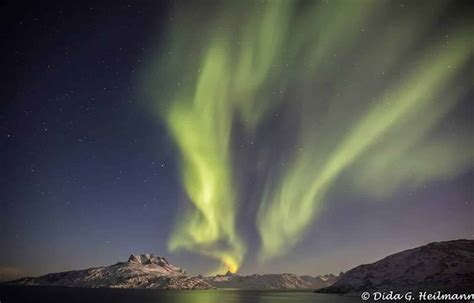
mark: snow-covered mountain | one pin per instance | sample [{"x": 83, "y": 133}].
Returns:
[
  {"x": 270, "y": 281},
  {"x": 440, "y": 266},
  {"x": 140, "y": 271}
]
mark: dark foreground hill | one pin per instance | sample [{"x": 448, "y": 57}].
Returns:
[{"x": 440, "y": 266}]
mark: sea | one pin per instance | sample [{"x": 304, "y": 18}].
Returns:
[{"x": 13, "y": 294}]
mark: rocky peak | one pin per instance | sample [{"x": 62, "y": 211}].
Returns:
[
  {"x": 155, "y": 262},
  {"x": 148, "y": 259}
]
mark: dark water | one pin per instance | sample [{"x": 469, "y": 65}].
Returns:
[{"x": 11, "y": 294}]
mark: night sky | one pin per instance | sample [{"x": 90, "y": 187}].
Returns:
[{"x": 305, "y": 137}]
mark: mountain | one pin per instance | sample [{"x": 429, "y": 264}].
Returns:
[
  {"x": 440, "y": 266},
  {"x": 270, "y": 281},
  {"x": 140, "y": 271}
]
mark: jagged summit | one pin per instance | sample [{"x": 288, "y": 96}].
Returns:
[
  {"x": 158, "y": 262},
  {"x": 147, "y": 259}
]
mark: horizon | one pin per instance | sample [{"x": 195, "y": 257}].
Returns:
[
  {"x": 304, "y": 137},
  {"x": 239, "y": 273}
]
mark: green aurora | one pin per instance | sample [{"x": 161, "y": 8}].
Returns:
[{"x": 364, "y": 112}]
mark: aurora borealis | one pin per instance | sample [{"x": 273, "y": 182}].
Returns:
[
  {"x": 363, "y": 109},
  {"x": 251, "y": 136}
]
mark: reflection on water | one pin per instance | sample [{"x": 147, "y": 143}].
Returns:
[
  {"x": 85, "y": 295},
  {"x": 247, "y": 296}
]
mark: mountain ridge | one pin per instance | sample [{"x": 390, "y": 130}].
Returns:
[
  {"x": 155, "y": 272},
  {"x": 270, "y": 281},
  {"x": 140, "y": 271}
]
